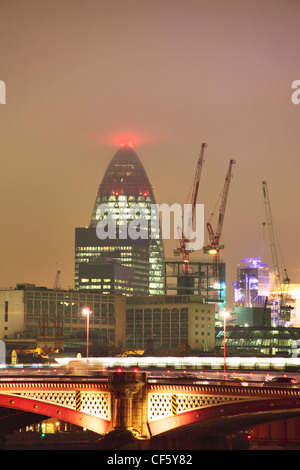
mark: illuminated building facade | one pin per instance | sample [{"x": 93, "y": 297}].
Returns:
[
  {"x": 170, "y": 323},
  {"x": 93, "y": 257},
  {"x": 258, "y": 341},
  {"x": 294, "y": 299},
  {"x": 125, "y": 188},
  {"x": 251, "y": 293},
  {"x": 55, "y": 318},
  {"x": 204, "y": 278},
  {"x": 290, "y": 293},
  {"x": 109, "y": 276},
  {"x": 253, "y": 283}
]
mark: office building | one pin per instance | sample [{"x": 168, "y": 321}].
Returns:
[
  {"x": 54, "y": 318},
  {"x": 253, "y": 283},
  {"x": 124, "y": 202},
  {"x": 91, "y": 252},
  {"x": 204, "y": 278},
  {"x": 251, "y": 294},
  {"x": 293, "y": 298},
  {"x": 170, "y": 323},
  {"x": 259, "y": 341},
  {"x": 107, "y": 276}
]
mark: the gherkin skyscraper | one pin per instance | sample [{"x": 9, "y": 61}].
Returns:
[{"x": 125, "y": 265}]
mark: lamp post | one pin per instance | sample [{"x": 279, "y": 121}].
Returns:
[
  {"x": 86, "y": 311},
  {"x": 225, "y": 315}
]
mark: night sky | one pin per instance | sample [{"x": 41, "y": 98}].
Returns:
[{"x": 83, "y": 76}]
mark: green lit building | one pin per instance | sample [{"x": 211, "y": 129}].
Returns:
[
  {"x": 259, "y": 341},
  {"x": 126, "y": 195}
]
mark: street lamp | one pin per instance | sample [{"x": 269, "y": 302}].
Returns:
[
  {"x": 86, "y": 311},
  {"x": 225, "y": 315}
]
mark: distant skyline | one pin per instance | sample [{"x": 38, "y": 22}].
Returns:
[{"x": 82, "y": 77}]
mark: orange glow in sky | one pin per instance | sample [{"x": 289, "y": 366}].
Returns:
[{"x": 162, "y": 77}]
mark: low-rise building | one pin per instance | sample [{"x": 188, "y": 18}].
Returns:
[
  {"x": 259, "y": 341},
  {"x": 170, "y": 322},
  {"x": 54, "y": 317}
]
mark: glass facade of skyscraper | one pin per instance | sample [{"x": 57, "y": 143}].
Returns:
[{"x": 126, "y": 194}]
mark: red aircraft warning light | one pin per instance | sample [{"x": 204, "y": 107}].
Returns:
[{"x": 127, "y": 144}]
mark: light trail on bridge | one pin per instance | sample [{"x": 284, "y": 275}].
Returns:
[
  {"x": 93, "y": 369},
  {"x": 191, "y": 362}
]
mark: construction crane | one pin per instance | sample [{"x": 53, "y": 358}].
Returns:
[
  {"x": 185, "y": 238},
  {"x": 283, "y": 308},
  {"x": 215, "y": 237},
  {"x": 56, "y": 282},
  {"x": 271, "y": 236}
]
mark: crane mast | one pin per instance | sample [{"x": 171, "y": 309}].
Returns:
[
  {"x": 56, "y": 282},
  {"x": 185, "y": 238},
  {"x": 215, "y": 238},
  {"x": 271, "y": 235},
  {"x": 284, "y": 310},
  {"x": 197, "y": 181}
]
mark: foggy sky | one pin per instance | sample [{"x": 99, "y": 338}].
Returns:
[{"x": 167, "y": 75}]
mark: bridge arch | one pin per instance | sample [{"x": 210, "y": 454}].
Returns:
[
  {"x": 84, "y": 406},
  {"x": 180, "y": 409}
]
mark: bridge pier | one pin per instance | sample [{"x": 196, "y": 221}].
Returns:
[
  {"x": 123, "y": 413},
  {"x": 129, "y": 405}
]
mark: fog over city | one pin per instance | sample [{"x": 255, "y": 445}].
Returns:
[{"x": 81, "y": 78}]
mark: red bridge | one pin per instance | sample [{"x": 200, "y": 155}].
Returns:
[{"x": 128, "y": 401}]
